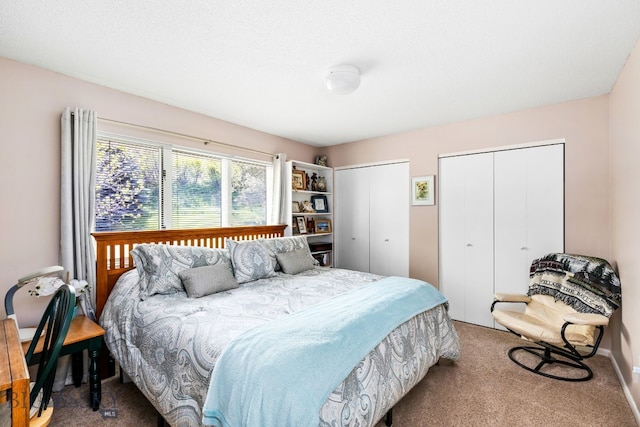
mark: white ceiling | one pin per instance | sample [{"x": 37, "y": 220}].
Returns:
[{"x": 261, "y": 63}]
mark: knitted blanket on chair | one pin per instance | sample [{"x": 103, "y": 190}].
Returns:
[{"x": 587, "y": 284}]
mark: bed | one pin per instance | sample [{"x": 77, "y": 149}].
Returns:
[{"x": 169, "y": 343}]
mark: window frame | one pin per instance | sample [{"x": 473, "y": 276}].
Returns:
[{"x": 166, "y": 176}]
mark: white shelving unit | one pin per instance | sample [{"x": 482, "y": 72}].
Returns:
[{"x": 318, "y": 226}]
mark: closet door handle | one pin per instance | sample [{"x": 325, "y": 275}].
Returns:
[
  {"x": 469, "y": 245},
  {"x": 353, "y": 238},
  {"x": 524, "y": 248},
  {"x": 386, "y": 240}
]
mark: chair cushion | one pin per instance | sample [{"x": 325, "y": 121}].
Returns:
[{"x": 542, "y": 321}]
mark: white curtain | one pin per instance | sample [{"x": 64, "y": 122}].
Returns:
[
  {"x": 77, "y": 199},
  {"x": 278, "y": 211},
  {"x": 77, "y": 210}
]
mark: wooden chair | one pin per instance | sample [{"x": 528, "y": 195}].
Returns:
[{"x": 52, "y": 331}]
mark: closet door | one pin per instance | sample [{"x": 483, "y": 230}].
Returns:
[
  {"x": 529, "y": 212},
  {"x": 351, "y": 228},
  {"x": 466, "y": 236},
  {"x": 389, "y": 219}
]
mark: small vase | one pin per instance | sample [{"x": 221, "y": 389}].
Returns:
[{"x": 321, "y": 184}]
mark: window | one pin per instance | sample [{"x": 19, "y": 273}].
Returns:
[
  {"x": 147, "y": 186},
  {"x": 196, "y": 188},
  {"x": 127, "y": 186},
  {"x": 248, "y": 195}
]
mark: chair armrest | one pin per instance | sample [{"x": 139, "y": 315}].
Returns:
[
  {"x": 586, "y": 319},
  {"x": 499, "y": 297}
]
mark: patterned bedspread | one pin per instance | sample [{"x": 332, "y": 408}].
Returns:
[{"x": 168, "y": 344}]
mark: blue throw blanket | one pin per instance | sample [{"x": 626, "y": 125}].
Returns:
[{"x": 281, "y": 373}]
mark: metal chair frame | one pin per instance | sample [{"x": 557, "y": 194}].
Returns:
[{"x": 570, "y": 356}]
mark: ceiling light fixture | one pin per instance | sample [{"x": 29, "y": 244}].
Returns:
[{"x": 343, "y": 79}]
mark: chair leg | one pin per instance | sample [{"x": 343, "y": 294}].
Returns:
[
  {"x": 546, "y": 357},
  {"x": 389, "y": 418}
]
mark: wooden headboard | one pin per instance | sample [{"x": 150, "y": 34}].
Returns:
[{"x": 113, "y": 248}]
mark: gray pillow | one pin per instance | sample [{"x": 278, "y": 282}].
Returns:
[
  {"x": 251, "y": 260},
  {"x": 203, "y": 281},
  {"x": 296, "y": 261},
  {"x": 158, "y": 265},
  {"x": 278, "y": 245}
]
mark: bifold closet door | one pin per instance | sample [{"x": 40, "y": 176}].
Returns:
[
  {"x": 466, "y": 236},
  {"x": 389, "y": 219},
  {"x": 529, "y": 212},
  {"x": 372, "y": 219},
  {"x": 351, "y": 228}
]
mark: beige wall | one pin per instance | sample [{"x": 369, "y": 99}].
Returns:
[
  {"x": 584, "y": 126},
  {"x": 624, "y": 134},
  {"x": 31, "y": 103}
]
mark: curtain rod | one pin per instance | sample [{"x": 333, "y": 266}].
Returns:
[{"x": 182, "y": 135}]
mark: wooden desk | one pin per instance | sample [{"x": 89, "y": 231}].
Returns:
[
  {"x": 84, "y": 334},
  {"x": 14, "y": 375}
]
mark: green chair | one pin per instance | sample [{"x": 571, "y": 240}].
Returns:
[{"x": 44, "y": 351}]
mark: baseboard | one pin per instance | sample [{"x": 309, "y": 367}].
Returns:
[{"x": 625, "y": 389}]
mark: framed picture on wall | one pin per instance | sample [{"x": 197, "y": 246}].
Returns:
[{"x": 423, "y": 190}]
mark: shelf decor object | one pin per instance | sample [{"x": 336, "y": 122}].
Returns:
[
  {"x": 298, "y": 180},
  {"x": 322, "y": 226},
  {"x": 320, "y": 204},
  {"x": 302, "y": 225}
]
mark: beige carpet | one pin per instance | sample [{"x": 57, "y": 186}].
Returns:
[{"x": 484, "y": 388}]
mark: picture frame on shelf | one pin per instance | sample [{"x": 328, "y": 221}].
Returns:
[
  {"x": 295, "y": 207},
  {"x": 299, "y": 179},
  {"x": 322, "y": 226},
  {"x": 302, "y": 224},
  {"x": 320, "y": 204},
  {"x": 423, "y": 190}
]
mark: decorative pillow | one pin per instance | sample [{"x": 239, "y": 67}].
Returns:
[
  {"x": 158, "y": 265},
  {"x": 286, "y": 244},
  {"x": 203, "y": 281},
  {"x": 251, "y": 260},
  {"x": 296, "y": 261}
]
